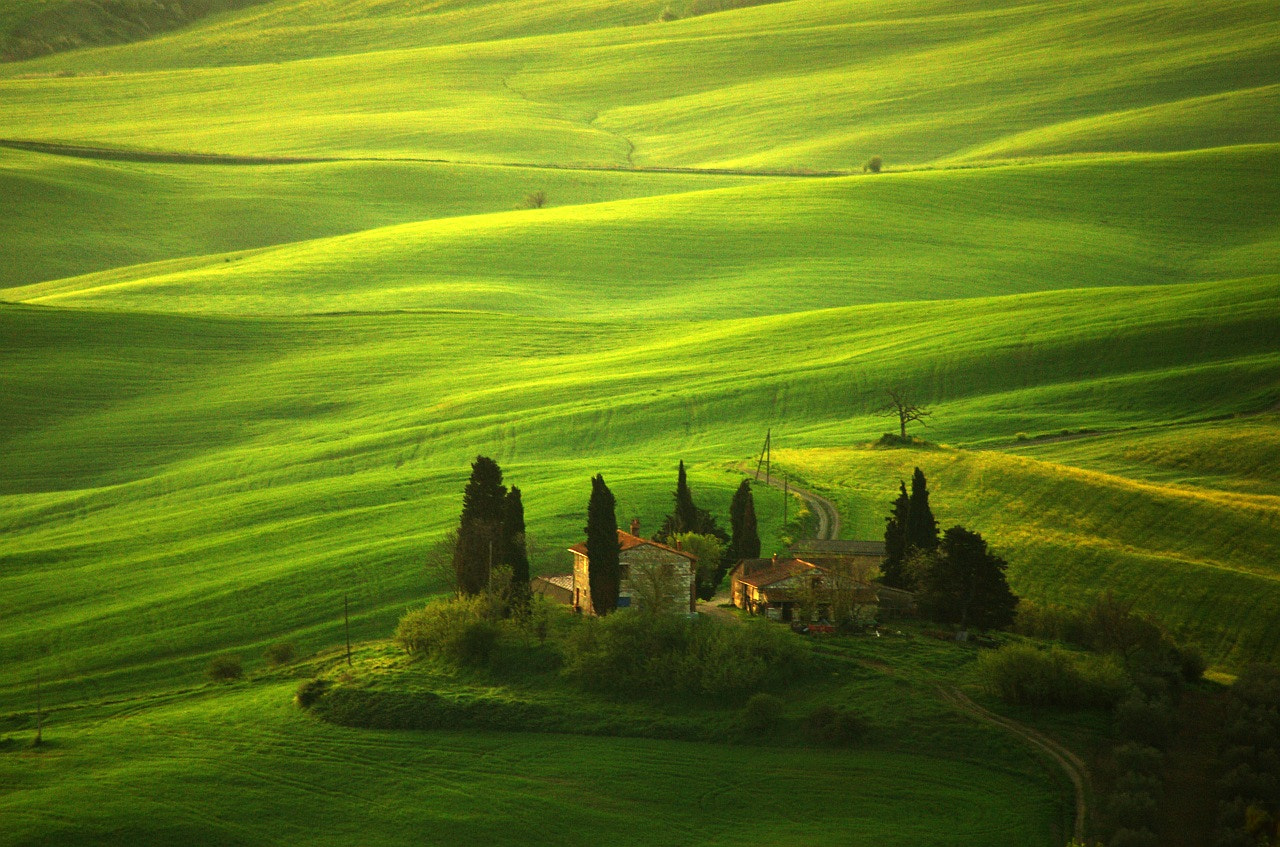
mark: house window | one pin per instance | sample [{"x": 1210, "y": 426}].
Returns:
[{"x": 624, "y": 570}]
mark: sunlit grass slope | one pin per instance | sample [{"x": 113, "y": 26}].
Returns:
[
  {"x": 783, "y": 246},
  {"x": 1199, "y": 558},
  {"x": 808, "y": 83},
  {"x": 66, "y": 216},
  {"x": 175, "y": 486},
  {"x": 245, "y": 766}
]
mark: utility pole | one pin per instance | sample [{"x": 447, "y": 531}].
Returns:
[
  {"x": 764, "y": 456},
  {"x": 346, "y": 626},
  {"x": 39, "y": 712}
]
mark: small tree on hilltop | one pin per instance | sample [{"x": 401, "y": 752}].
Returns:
[
  {"x": 965, "y": 584},
  {"x": 895, "y": 541},
  {"x": 922, "y": 527},
  {"x": 873, "y": 165},
  {"x": 603, "y": 548},
  {"x": 905, "y": 411},
  {"x": 479, "y": 541},
  {"x": 536, "y": 199}
]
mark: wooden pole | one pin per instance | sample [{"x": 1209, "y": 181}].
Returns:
[
  {"x": 39, "y": 712},
  {"x": 346, "y": 626}
]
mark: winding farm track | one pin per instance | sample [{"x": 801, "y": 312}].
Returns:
[
  {"x": 1070, "y": 763},
  {"x": 826, "y": 512}
]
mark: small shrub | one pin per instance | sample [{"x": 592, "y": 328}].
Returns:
[
  {"x": 829, "y": 725},
  {"x": 1021, "y": 436},
  {"x": 668, "y": 14},
  {"x": 311, "y": 690},
  {"x": 763, "y": 713},
  {"x": 873, "y": 165},
  {"x": 455, "y": 631},
  {"x": 536, "y": 199},
  {"x": 280, "y": 654},
  {"x": 225, "y": 668}
]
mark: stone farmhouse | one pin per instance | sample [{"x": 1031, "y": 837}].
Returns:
[
  {"x": 641, "y": 561},
  {"x": 781, "y": 588}
]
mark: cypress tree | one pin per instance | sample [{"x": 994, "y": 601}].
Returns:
[
  {"x": 602, "y": 548},
  {"x": 895, "y": 541},
  {"x": 479, "y": 527},
  {"x": 922, "y": 528},
  {"x": 687, "y": 517},
  {"x": 745, "y": 541},
  {"x": 514, "y": 552}
]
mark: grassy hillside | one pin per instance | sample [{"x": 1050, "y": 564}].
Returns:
[
  {"x": 233, "y": 396},
  {"x": 782, "y": 246},
  {"x": 915, "y": 82},
  {"x": 275, "y": 465},
  {"x": 69, "y": 215}
]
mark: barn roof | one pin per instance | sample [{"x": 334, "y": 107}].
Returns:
[
  {"x": 560, "y": 580},
  {"x": 627, "y": 541},
  {"x": 834, "y": 547},
  {"x": 762, "y": 572}
]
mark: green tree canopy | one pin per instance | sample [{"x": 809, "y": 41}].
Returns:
[
  {"x": 479, "y": 527},
  {"x": 602, "y": 548},
  {"x": 922, "y": 528},
  {"x": 965, "y": 584},
  {"x": 515, "y": 554},
  {"x": 895, "y": 542}
]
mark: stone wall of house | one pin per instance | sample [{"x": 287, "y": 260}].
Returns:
[{"x": 646, "y": 556}]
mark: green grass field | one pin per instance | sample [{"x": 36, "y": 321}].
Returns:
[{"x": 233, "y": 394}]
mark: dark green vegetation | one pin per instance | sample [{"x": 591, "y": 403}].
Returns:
[{"x": 232, "y": 395}]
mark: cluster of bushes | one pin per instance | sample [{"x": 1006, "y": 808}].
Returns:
[
  {"x": 1110, "y": 625},
  {"x": 1027, "y": 676},
  {"x": 1131, "y": 810},
  {"x": 1249, "y": 761},
  {"x": 633, "y": 653},
  {"x": 459, "y": 631},
  {"x": 825, "y": 725}
]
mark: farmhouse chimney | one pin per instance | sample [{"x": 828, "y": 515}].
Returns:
[{"x": 635, "y": 526}]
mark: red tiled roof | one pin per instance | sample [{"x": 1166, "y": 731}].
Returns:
[
  {"x": 770, "y": 571},
  {"x": 627, "y": 541}
]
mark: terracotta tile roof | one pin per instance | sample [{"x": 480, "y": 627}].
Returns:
[
  {"x": 627, "y": 541},
  {"x": 762, "y": 572}
]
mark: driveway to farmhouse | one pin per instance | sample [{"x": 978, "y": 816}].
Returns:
[{"x": 828, "y": 515}]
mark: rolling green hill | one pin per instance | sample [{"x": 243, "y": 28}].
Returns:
[{"x": 235, "y": 392}]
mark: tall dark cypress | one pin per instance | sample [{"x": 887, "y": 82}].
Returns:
[
  {"x": 895, "y": 540},
  {"x": 515, "y": 554},
  {"x": 686, "y": 513},
  {"x": 922, "y": 529},
  {"x": 479, "y": 527},
  {"x": 602, "y": 548},
  {"x": 744, "y": 543}
]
